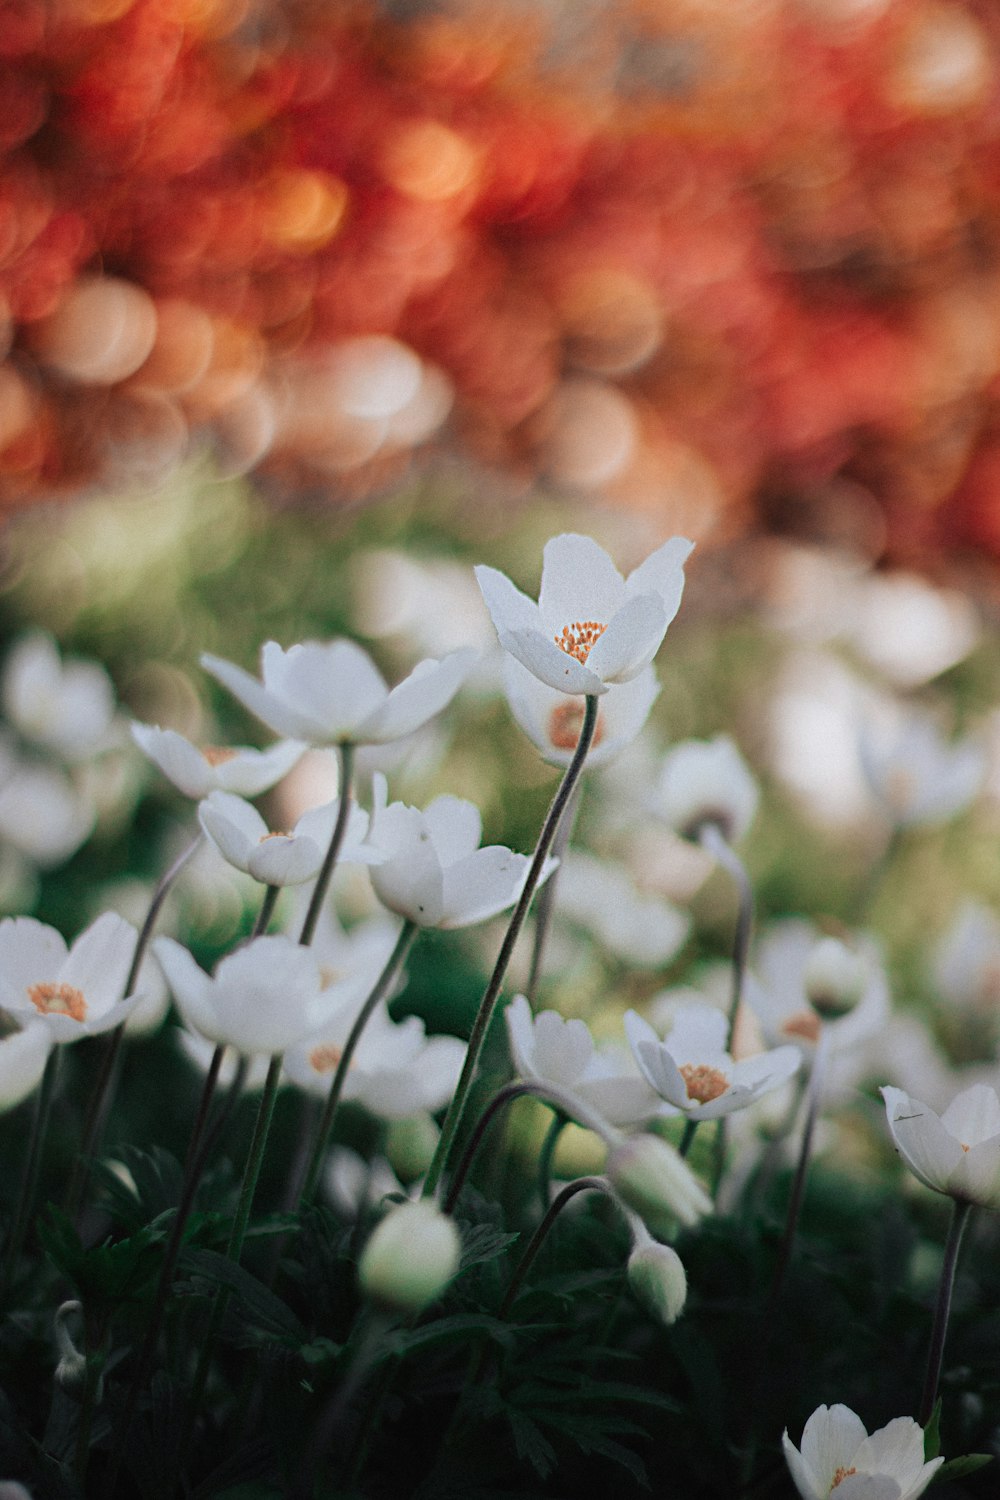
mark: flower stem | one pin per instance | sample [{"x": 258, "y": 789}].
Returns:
[
  {"x": 488, "y": 1003},
  {"x": 547, "y": 1155},
  {"x": 22, "y": 1215},
  {"x": 546, "y": 901},
  {"x": 690, "y": 1126},
  {"x": 559, "y": 1202},
  {"x": 813, "y": 1099},
  {"x": 379, "y": 990},
  {"x": 500, "y": 1100},
  {"x": 340, "y": 829},
  {"x": 715, "y": 842},
  {"x": 960, "y": 1212}
]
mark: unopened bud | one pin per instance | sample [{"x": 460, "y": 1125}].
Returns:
[
  {"x": 71, "y": 1371},
  {"x": 411, "y": 1257},
  {"x": 657, "y": 1277},
  {"x": 410, "y": 1145},
  {"x": 834, "y": 978},
  {"x": 654, "y": 1179}
]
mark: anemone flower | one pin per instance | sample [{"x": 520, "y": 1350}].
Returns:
[{"x": 839, "y": 1458}]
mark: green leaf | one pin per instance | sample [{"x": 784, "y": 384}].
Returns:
[
  {"x": 265, "y": 1314},
  {"x": 111, "y": 1272},
  {"x": 957, "y": 1468},
  {"x": 454, "y": 1330},
  {"x": 483, "y": 1242},
  {"x": 932, "y": 1433}
]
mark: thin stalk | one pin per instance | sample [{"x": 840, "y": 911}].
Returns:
[
  {"x": 711, "y": 838},
  {"x": 961, "y": 1209},
  {"x": 559, "y": 1202},
  {"x": 380, "y": 989},
  {"x": 488, "y": 1003},
  {"x": 813, "y": 1100},
  {"x": 340, "y": 829},
  {"x": 547, "y": 1155},
  {"x": 500, "y": 1100},
  {"x": 24, "y": 1208},
  {"x": 546, "y": 900},
  {"x": 85, "y": 1421},
  {"x": 690, "y": 1126}
]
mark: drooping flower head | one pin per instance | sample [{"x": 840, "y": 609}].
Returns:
[
  {"x": 956, "y": 1153},
  {"x": 839, "y": 1461},
  {"x": 591, "y": 627}
]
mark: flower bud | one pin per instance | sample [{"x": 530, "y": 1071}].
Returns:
[
  {"x": 657, "y": 1277},
  {"x": 655, "y": 1180},
  {"x": 834, "y": 978},
  {"x": 411, "y": 1257},
  {"x": 410, "y": 1145},
  {"x": 71, "y": 1371}
]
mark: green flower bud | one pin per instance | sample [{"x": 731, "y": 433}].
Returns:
[
  {"x": 410, "y": 1145},
  {"x": 834, "y": 978},
  {"x": 655, "y": 1180},
  {"x": 657, "y": 1277},
  {"x": 411, "y": 1257}
]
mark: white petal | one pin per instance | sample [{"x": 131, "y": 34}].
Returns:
[
  {"x": 930, "y": 1152},
  {"x": 189, "y": 985},
  {"x": 30, "y": 953},
  {"x": 336, "y": 683},
  {"x": 698, "y": 1035},
  {"x": 23, "y": 1055},
  {"x": 540, "y": 654},
  {"x": 429, "y": 688},
  {"x": 579, "y": 582},
  {"x": 270, "y": 709},
  {"x": 261, "y": 995},
  {"x": 285, "y": 859},
  {"x": 663, "y": 573},
  {"x": 562, "y": 1048},
  {"x": 455, "y": 827},
  {"x": 896, "y": 1449},
  {"x": 977, "y": 1176},
  {"x": 250, "y": 772},
  {"x": 973, "y": 1115},
  {"x": 801, "y": 1477},
  {"x": 509, "y": 608},
  {"x": 479, "y": 886},
  {"x": 411, "y": 882},
  {"x": 233, "y": 826},
  {"x": 830, "y": 1440},
  {"x": 99, "y": 961},
  {"x": 520, "y": 1033},
  {"x": 179, "y": 760},
  {"x": 631, "y": 640},
  {"x": 868, "y": 1487}
]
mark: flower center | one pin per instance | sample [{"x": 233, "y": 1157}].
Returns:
[
  {"x": 703, "y": 1083},
  {"x": 566, "y": 722},
  {"x": 901, "y": 786},
  {"x": 58, "y": 1000},
  {"x": 580, "y": 638},
  {"x": 841, "y": 1475},
  {"x": 277, "y": 834},
  {"x": 805, "y": 1024},
  {"x": 324, "y": 1059},
  {"x": 217, "y": 755}
]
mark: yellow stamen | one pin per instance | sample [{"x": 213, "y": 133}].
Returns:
[
  {"x": 703, "y": 1083},
  {"x": 58, "y": 1000},
  {"x": 840, "y": 1475},
  {"x": 566, "y": 722},
  {"x": 805, "y": 1024},
  {"x": 217, "y": 755},
  {"x": 324, "y": 1059},
  {"x": 580, "y": 638}
]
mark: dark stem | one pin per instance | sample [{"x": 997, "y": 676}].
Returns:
[
  {"x": 546, "y": 900},
  {"x": 559, "y": 1202},
  {"x": 711, "y": 838},
  {"x": 813, "y": 1099},
  {"x": 547, "y": 1155},
  {"x": 961, "y": 1209},
  {"x": 505, "y": 1096},
  {"x": 23, "y": 1211},
  {"x": 690, "y": 1126},
  {"x": 488, "y": 1003},
  {"x": 340, "y": 828}
]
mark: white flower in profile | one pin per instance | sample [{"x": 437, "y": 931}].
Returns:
[
  {"x": 552, "y": 721},
  {"x": 76, "y": 991},
  {"x": 966, "y": 961},
  {"x": 262, "y": 998},
  {"x": 244, "y": 840},
  {"x": 639, "y": 927},
  {"x": 24, "y": 1050},
  {"x": 435, "y": 874},
  {"x": 707, "y": 782},
  {"x": 329, "y": 693},
  {"x": 692, "y": 1071},
  {"x": 917, "y": 777},
  {"x": 777, "y": 989},
  {"x": 548, "y": 1049},
  {"x": 591, "y": 627},
  {"x": 66, "y": 706},
  {"x": 197, "y": 772},
  {"x": 956, "y": 1153},
  {"x": 838, "y": 1457}
]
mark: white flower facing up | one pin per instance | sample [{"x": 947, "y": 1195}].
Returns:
[
  {"x": 707, "y": 782},
  {"x": 244, "y": 840},
  {"x": 917, "y": 777},
  {"x": 838, "y": 1458},
  {"x": 75, "y": 991},
  {"x": 956, "y": 1153},
  {"x": 197, "y": 772},
  {"x": 552, "y": 721},
  {"x": 549, "y": 1049},
  {"x": 692, "y": 1071},
  {"x": 67, "y": 707},
  {"x": 591, "y": 628},
  {"x": 777, "y": 990},
  {"x": 331, "y": 692},
  {"x": 435, "y": 873},
  {"x": 262, "y": 998}
]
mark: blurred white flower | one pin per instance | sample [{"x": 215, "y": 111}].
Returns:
[
  {"x": 411, "y": 1257},
  {"x": 916, "y": 776},
  {"x": 692, "y": 1071},
  {"x": 197, "y": 772},
  {"x": 591, "y": 627},
  {"x": 776, "y": 989},
  {"x": 657, "y": 1277},
  {"x": 328, "y": 693},
  {"x": 838, "y": 1455},
  {"x": 909, "y": 629},
  {"x": 77, "y": 991},
  {"x": 639, "y": 927},
  {"x": 657, "y": 1183},
  {"x": 553, "y": 722},
  {"x": 966, "y": 963},
  {"x": 707, "y": 782},
  {"x": 42, "y": 813},
  {"x": 200, "y": 1051},
  {"x": 242, "y": 837},
  {"x": 354, "y": 1184},
  {"x": 67, "y": 707},
  {"x": 956, "y": 1153}
]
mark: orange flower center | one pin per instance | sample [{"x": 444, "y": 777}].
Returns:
[
  {"x": 806, "y": 1024},
  {"x": 840, "y": 1475},
  {"x": 566, "y": 722},
  {"x": 277, "y": 834},
  {"x": 324, "y": 1059},
  {"x": 217, "y": 755},
  {"x": 58, "y": 1000},
  {"x": 580, "y": 638},
  {"x": 703, "y": 1083}
]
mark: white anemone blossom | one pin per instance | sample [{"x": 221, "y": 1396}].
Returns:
[
  {"x": 917, "y": 777},
  {"x": 692, "y": 1071},
  {"x": 640, "y": 927},
  {"x": 331, "y": 692},
  {"x": 65, "y": 706},
  {"x": 76, "y": 991},
  {"x": 552, "y": 721},
  {"x": 435, "y": 874},
  {"x": 707, "y": 781},
  {"x": 243, "y": 839},
  {"x": 262, "y": 998},
  {"x": 778, "y": 992},
  {"x": 550, "y": 1050},
  {"x": 197, "y": 772},
  {"x": 956, "y": 1153},
  {"x": 591, "y": 628},
  {"x": 839, "y": 1458}
]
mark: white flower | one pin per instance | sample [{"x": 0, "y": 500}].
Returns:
[
  {"x": 553, "y": 722},
  {"x": 262, "y": 998},
  {"x": 215, "y": 768},
  {"x": 707, "y": 781},
  {"x": 694, "y": 1073},
  {"x": 549, "y": 1049},
  {"x": 657, "y": 1277},
  {"x": 967, "y": 959},
  {"x": 24, "y": 1049},
  {"x": 777, "y": 989},
  {"x": 242, "y": 837},
  {"x": 355, "y": 1184},
  {"x": 76, "y": 991},
  {"x": 639, "y": 927},
  {"x": 329, "y": 693},
  {"x": 656, "y": 1181},
  {"x": 42, "y": 814},
  {"x": 839, "y": 1457},
  {"x": 435, "y": 873},
  {"x": 64, "y": 706},
  {"x": 919, "y": 778},
  {"x": 591, "y": 627},
  {"x": 956, "y": 1153}
]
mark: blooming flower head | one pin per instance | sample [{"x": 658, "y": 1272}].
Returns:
[
  {"x": 591, "y": 627},
  {"x": 839, "y": 1459},
  {"x": 435, "y": 873},
  {"x": 917, "y": 777},
  {"x": 197, "y": 772},
  {"x": 553, "y": 722},
  {"x": 778, "y": 989},
  {"x": 242, "y": 837},
  {"x": 692, "y": 1071},
  {"x": 331, "y": 692},
  {"x": 76, "y": 991},
  {"x": 956, "y": 1153},
  {"x": 707, "y": 781},
  {"x": 64, "y": 706}
]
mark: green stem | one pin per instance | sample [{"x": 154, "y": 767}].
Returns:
[
  {"x": 546, "y": 899},
  {"x": 506, "y": 1095},
  {"x": 690, "y": 1126},
  {"x": 547, "y": 1155},
  {"x": 488, "y": 1003},
  {"x": 23, "y": 1211},
  {"x": 711, "y": 838},
  {"x": 559, "y": 1202},
  {"x": 961, "y": 1209},
  {"x": 380, "y": 989},
  {"x": 340, "y": 829},
  {"x": 813, "y": 1100}
]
